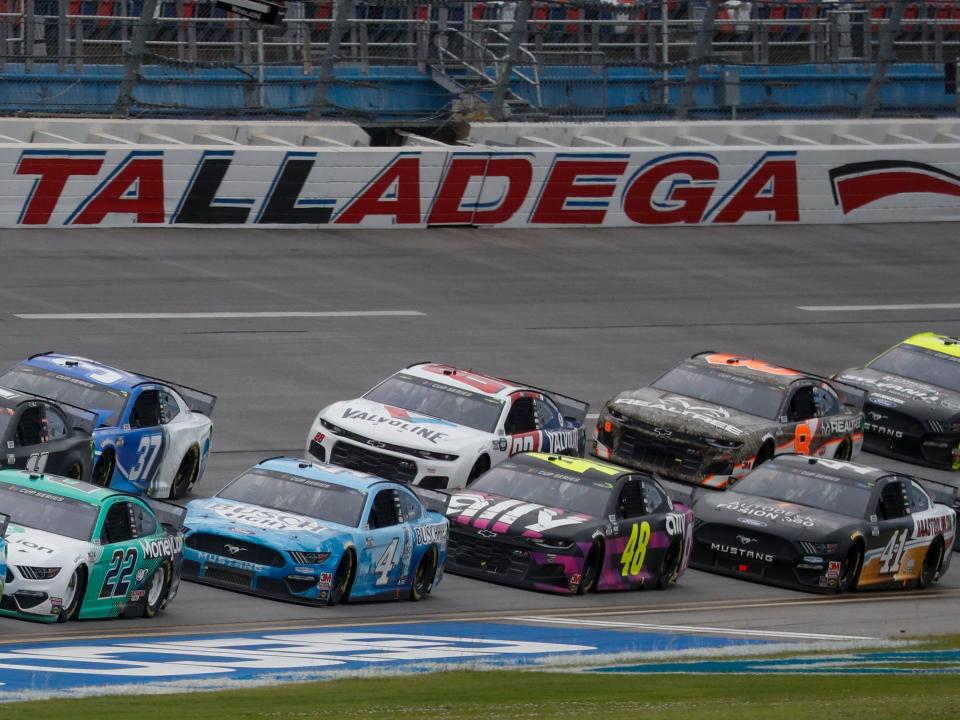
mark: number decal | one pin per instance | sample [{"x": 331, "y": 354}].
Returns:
[
  {"x": 36, "y": 462},
  {"x": 636, "y": 550},
  {"x": 146, "y": 456},
  {"x": 95, "y": 373},
  {"x": 387, "y": 562},
  {"x": 116, "y": 582},
  {"x": 892, "y": 554}
]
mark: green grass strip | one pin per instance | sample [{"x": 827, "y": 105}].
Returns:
[{"x": 530, "y": 695}]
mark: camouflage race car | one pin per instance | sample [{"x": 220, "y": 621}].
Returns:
[
  {"x": 913, "y": 403},
  {"x": 715, "y": 417}
]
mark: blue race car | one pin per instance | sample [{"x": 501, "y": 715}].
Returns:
[
  {"x": 4, "y": 521},
  {"x": 151, "y": 436},
  {"x": 316, "y": 534}
]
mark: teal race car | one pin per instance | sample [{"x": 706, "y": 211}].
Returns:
[
  {"x": 4, "y": 519},
  {"x": 74, "y": 550}
]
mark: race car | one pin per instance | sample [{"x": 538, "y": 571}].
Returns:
[
  {"x": 45, "y": 436},
  {"x": 315, "y": 534},
  {"x": 913, "y": 403},
  {"x": 825, "y": 526},
  {"x": 151, "y": 436},
  {"x": 4, "y": 520},
  {"x": 75, "y": 550},
  {"x": 441, "y": 427},
  {"x": 565, "y": 525},
  {"x": 713, "y": 418}
]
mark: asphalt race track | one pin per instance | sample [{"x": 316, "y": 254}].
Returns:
[{"x": 586, "y": 312}]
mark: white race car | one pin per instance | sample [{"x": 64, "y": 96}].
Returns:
[{"x": 438, "y": 426}]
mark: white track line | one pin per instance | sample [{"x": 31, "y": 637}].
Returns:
[
  {"x": 867, "y": 308},
  {"x": 691, "y": 629},
  {"x": 215, "y": 315}
]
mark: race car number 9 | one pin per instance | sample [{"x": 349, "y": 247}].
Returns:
[{"x": 636, "y": 550}]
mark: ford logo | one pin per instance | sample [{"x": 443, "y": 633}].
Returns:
[
  {"x": 751, "y": 522},
  {"x": 882, "y": 401}
]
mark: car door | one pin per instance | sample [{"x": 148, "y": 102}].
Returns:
[
  {"x": 521, "y": 424},
  {"x": 69, "y": 454},
  {"x": 555, "y": 438},
  {"x": 27, "y": 439},
  {"x": 113, "y": 575},
  {"x": 140, "y": 455},
  {"x": 889, "y": 530},
  {"x": 637, "y": 563},
  {"x": 801, "y": 424},
  {"x": 385, "y": 545}
]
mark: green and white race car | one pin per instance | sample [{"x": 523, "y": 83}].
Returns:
[{"x": 75, "y": 550}]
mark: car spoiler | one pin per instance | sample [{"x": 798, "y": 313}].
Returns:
[
  {"x": 197, "y": 400},
  {"x": 4, "y": 521},
  {"x": 170, "y": 515},
  {"x": 571, "y": 408},
  {"x": 850, "y": 395},
  {"x": 941, "y": 492},
  {"x": 433, "y": 500}
]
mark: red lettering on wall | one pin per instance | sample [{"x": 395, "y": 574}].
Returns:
[
  {"x": 402, "y": 175},
  {"x": 54, "y": 173},
  {"x": 143, "y": 174},
  {"x": 780, "y": 178},
  {"x": 562, "y": 186},
  {"x": 447, "y": 206},
  {"x": 685, "y": 202}
]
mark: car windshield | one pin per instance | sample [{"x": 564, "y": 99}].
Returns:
[
  {"x": 297, "y": 496},
  {"x": 518, "y": 484},
  {"x": 725, "y": 389},
  {"x": 809, "y": 488},
  {"x": 108, "y": 402},
  {"x": 46, "y": 511},
  {"x": 926, "y": 366},
  {"x": 438, "y": 400}
]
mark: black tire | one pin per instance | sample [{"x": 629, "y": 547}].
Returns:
[
  {"x": 932, "y": 560},
  {"x": 75, "y": 471},
  {"x": 423, "y": 577},
  {"x": 591, "y": 570},
  {"x": 153, "y": 597},
  {"x": 850, "y": 569},
  {"x": 479, "y": 468},
  {"x": 186, "y": 475},
  {"x": 845, "y": 451},
  {"x": 103, "y": 470},
  {"x": 343, "y": 579},
  {"x": 765, "y": 453},
  {"x": 669, "y": 566},
  {"x": 68, "y": 612}
]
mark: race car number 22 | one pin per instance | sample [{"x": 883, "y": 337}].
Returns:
[
  {"x": 117, "y": 580},
  {"x": 636, "y": 550}
]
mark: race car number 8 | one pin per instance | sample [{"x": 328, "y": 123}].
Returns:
[{"x": 636, "y": 550}]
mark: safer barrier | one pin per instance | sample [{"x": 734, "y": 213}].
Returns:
[{"x": 609, "y": 175}]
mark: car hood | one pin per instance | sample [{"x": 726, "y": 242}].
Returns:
[
  {"x": 400, "y": 427},
  {"x": 913, "y": 397},
  {"x": 513, "y": 519},
  {"x": 266, "y": 526},
  {"x": 27, "y": 546},
  {"x": 751, "y": 512},
  {"x": 687, "y": 415}
]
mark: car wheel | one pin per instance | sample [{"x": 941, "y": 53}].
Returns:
[
  {"x": 591, "y": 570},
  {"x": 478, "y": 469},
  {"x": 75, "y": 471},
  {"x": 850, "y": 569},
  {"x": 342, "y": 580},
  {"x": 844, "y": 451},
  {"x": 186, "y": 474},
  {"x": 932, "y": 560},
  {"x": 423, "y": 578},
  {"x": 73, "y": 595},
  {"x": 669, "y": 566},
  {"x": 103, "y": 470},
  {"x": 156, "y": 591}
]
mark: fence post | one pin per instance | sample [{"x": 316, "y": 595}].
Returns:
[
  {"x": 63, "y": 30},
  {"x": 701, "y": 50},
  {"x": 885, "y": 55},
  {"x": 133, "y": 58},
  {"x": 518, "y": 33},
  {"x": 345, "y": 9}
]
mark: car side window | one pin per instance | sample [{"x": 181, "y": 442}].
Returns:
[
  {"x": 56, "y": 425},
  {"x": 30, "y": 427},
  {"x": 144, "y": 524},
  {"x": 117, "y": 525},
  {"x": 385, "y": 510},
  {"x": 893, "y": 501},
  {"x": 802, "y": 405},
  {"x": 630, "y": 503},
  {"x": 146, "y": 410},
  {"x": 169, "y": 407},
  {"x": 522, "y": 418},
  {"x": 548, "y": 417},
  {"x": 918, "y": 498},
  {"x": 826, "y": 402},
  {"x": 654, "y": 500},
  {"x": 409, "y": 506}
]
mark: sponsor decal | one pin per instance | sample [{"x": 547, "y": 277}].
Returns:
[
  {"x": 752, "y": 522},
  {"x": 429, "y": 534},
  {"x": 931, "y": 526},
  {"x": 708, "y": 414},
  {"x": 162, "y": 547},
  {"x": 767, "y": 512},
  {"x": 498, "y": 516},
  {"x": 742, "y": 553},
  {"x": 858, "y": 184},
  {"x": 136, "y": 595},
  {"x": 885, "y": 400},
  {"x": 434, "y": 436},
  {"x": 896, "y": 385},
  {"x": 833, "y": 569},
  {"x": 401, "y": 414},
  {"x": 141, "y": 574},
  {"x": 266, "y": 519},
  {"x": 951, "y": 404},
  {"x": 676, "y": 524},
  {"x": 839, "y": 426},
  {"x": 326, "y": 578},
  {"x": 28, "y": 543}
]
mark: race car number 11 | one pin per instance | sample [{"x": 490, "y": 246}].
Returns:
[{"x": 636, "y": 549}]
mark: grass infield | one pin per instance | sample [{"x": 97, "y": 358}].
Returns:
[{"x": 529, "y": 695}]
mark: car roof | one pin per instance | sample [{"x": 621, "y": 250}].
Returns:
[
  {"x": 465, "y": 379},
  {"x": 742, "y": 365},
  {"x": 576, "y": 467},
  {"x": 314, "y": 470},
  {"x": 840, "y": 470},
  {"x": 932, "y": 341},
  {"x": 83, "y": 368},
  {"x": 56, "y": 485}
]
